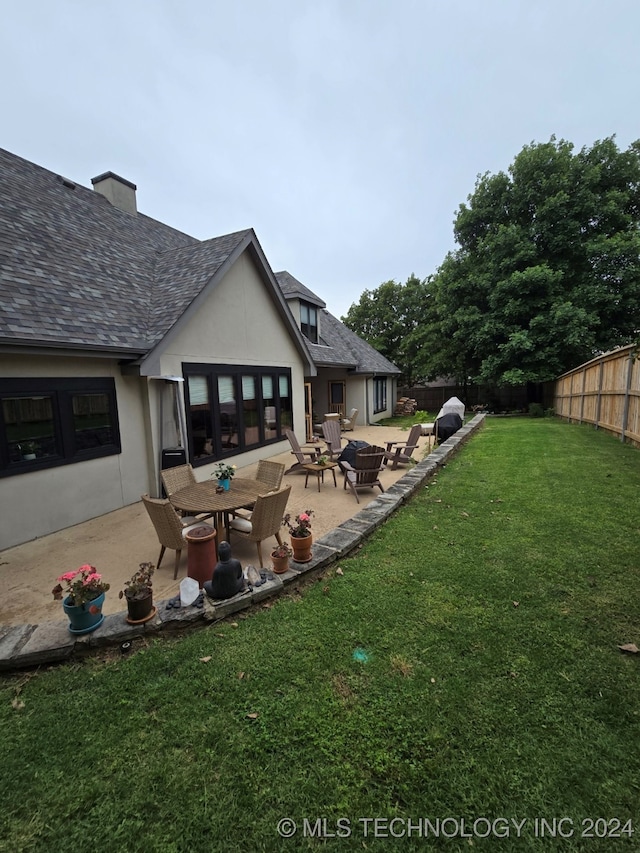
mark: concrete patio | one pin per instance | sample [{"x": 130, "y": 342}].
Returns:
[{"x": 32, "y": 626}]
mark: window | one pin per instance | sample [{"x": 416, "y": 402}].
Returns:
[
  {"x": 49, "y": 422},
  {"x": 232, "y": 408},
  {"x": 309, "y": 322},
  {"x": 379, "y": 394}
]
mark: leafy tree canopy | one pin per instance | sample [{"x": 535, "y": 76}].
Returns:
[
  {"x": 547, "y": 273},
  {"x": 388, "y": 317},
  {"x": 548, "y": 269}
]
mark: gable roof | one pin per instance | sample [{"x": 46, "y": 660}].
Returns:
[
  {"x": 338, "y": 346},
  {"x": 76, "y": 272}
]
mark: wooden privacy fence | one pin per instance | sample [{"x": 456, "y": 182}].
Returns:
[{"x": 605, "y": 392}]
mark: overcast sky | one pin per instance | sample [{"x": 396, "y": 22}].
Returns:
[{"x": 345, "y": 132}]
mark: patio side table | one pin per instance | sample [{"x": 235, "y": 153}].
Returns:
[{"x": 318, "y": 471}]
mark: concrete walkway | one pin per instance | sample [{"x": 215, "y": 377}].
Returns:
[{"x": 33, "y": 630}]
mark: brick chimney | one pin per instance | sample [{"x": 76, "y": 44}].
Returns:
[{"x": 121, "y": 193}]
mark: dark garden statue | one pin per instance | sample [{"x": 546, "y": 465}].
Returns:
[{"x": 227, "y": 579}]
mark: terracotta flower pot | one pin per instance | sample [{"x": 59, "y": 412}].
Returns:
[
  {"x": 280, "y": 564},
  {"x": 302, "y": 548}
]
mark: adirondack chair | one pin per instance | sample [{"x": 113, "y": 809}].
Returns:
[
  {"x": 302, "y": 456},
  {"x": 401, "y": 453},
  {"x": 365, "y": 474},
  {"x": 331, "y": 433}
]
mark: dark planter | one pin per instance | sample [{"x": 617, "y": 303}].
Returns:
[{"x": 140, "y": 609}]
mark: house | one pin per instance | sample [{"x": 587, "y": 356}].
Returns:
[
  {"x": 127, "y": 346},
  {"x": 123, "y": 342},
  {"x": 351, "y": 374}
]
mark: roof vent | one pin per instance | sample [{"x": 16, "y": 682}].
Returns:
[
  {"x": 66, "y": 183},
  {"x": 120, "y": 192}
]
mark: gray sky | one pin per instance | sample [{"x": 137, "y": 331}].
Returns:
[{"x": 345, "y": 132}]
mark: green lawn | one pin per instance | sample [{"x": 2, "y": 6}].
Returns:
[{"x": 464, "y": 666}]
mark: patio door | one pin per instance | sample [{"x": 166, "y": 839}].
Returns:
[{"x": 337, "y": 394}]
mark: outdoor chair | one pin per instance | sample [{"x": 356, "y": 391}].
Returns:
[
  {"x": 400, "y": 453},
  {"x": 169, "y": 526},
  {"x": 174, "y": 479},
  {"x": 265, "y": 520},
  {"x": 333, "y": 438},
  {"x": 270, "y": 473},
  {"x": 349, "y": 424},
  {"x": 302, "y": 456},
  {"x": 365, "y": 473}
]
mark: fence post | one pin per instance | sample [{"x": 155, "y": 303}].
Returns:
[
  {"x": 597, "y": 423},
  {"x": 625, "y": 413},
  {"x": 584, "y": 385}
]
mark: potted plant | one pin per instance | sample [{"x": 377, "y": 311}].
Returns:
[
  {"x": 280, "y": 557},
  {"x": 321, "y": 460},
  {"x": 139, "y": 594},
  {"x": 82, "y": 598},
  {"x": 300, "y": 533},
  {"x": 223, "y": 472}
]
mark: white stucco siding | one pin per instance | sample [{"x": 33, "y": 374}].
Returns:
[
  {"x": 238, "y": 323},
  {"x": 40, "y": 502}
]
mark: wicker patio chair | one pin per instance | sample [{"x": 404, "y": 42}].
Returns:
[
  {"x": 401, "y": 453},
  {"x": 270, "y": 473},
  {"x": 174, "y": 479},
  {"x": 365, "y": 473},
  {"x": 169, "y": 526},
  {"x": 265, "y": 521}
]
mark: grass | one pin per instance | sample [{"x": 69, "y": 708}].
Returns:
[{"x": 464, "y": 665}]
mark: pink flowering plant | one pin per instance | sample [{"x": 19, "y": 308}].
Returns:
[
  {"x": 300, "y": 526},
  {"x": 81, "y": 586}
]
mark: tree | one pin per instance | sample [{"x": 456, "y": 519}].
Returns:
[
  {"x": 547, "y": 272},
  {"x": 387, "y": 318}
]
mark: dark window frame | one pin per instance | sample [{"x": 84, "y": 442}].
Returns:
[
  {"x": 61, "y": 391},
  {"x": 219, "y": 448},
  {"x": 309, "y": 329},
  {"x": 379, "y": 394}
]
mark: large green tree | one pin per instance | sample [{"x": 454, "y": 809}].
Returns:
[
  {"x": 388, "y": 319},
  {"x": 547, "y": 272}
]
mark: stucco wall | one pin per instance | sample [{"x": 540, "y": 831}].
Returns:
[
  {"x": 235, "y": 323},
  {"x": 40, "y": 502},
  {"x": 238, "y": 323}
]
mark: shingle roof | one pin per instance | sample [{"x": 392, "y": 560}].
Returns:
[
  {"x": 291, "y": 288},
  {"x": 339, "y": 346},
  {"x": 75, "y": 270}
]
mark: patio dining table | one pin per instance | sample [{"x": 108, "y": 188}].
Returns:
[{"x": 203, "y": 498}]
